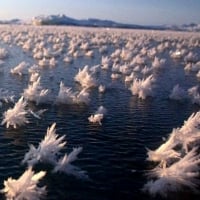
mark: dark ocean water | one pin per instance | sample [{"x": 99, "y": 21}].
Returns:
[{"x": 114, "y": 154}]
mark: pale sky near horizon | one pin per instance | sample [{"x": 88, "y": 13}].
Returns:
[{"x": 144, "y": 12}]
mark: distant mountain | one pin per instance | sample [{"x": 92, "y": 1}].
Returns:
[
  {"x": 92, "y": 22},
  {"x": 185, "y": 27},
  {"x": 12, "y": 21}
]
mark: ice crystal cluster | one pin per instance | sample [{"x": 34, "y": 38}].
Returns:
[{"x": 178, "y": 160}]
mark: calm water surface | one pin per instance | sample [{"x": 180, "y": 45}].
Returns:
[{"x": 114, "y": 154}]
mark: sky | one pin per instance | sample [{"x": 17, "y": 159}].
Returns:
[{"x": 143, "y": 12}]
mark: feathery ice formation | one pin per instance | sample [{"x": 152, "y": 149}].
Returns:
[
  {"x": 98, "y": 115},
  {"x": 16, "y": 116},
  {"x": 48, "y": 151},
  {"x": 178, "y": 160},
  {"x": 25, "y": 188}
]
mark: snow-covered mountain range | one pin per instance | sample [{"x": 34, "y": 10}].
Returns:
[{"x": 92, "y": 22}]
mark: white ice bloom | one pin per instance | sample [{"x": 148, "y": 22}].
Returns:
[
  {"x": 105, "y": 62},
  {"x": 179, "y": 166},
  {"x": 38, "y": 113},
  {"x": 198, "y": 74},
  {"x": 82, "y": 97},
  {"x": 101, "y": 88},
  {"x": 20, "y": 69},
  {"x": 176, "y": 54},
  {"x": 52, "y": 62},
  {"x": 189, "y": 133},
  {"x": 44, "y": 62},
  {"x": 77, "y": 54},
  {"x": 183, "y": 137},
  {"x": 191, "y": 124},
  {"x": 130, "y": 77},
  {"x": 16, "y": 116},
  {"x": 115, "y": 76},
  {"x": 34, "y": 69},
  {"x": 48, "y": 149},
  {"x": 183, "y": 173},
  {"x": 152, "y": 52},
  {"x": 191, "y": 57},
  {"x": 68, "y": 59},
  {"x": 34, "y": 77},
  {"x": 51, "y": 53},
  {"x": 126, "y": 55},
  {"x": 143, "y": 87},
  {"x": 89, "y": 53},
  {"x": 67, "y": 96},
  {"x": 191, "y": 67},
  {"x": 157, "y": 63},
  {"x": 64, "y": 164},
  {"x": 194, "y": 95},
  {"x": 103, "y": 49},
  {"x": 116, "y": 53},
  {"x": 146, "y": 70},
  {"x": 138, "y": 59},
  {"x": 178, "y": 93},
  {"x": 38, "y": 55},
  {"x": 27, "y": 45},
  {"x": 115, "y": 67},
  {"x": 36, "y": 93},
  {"x": 24, "y": 188},
  {"x": 166, "y": 151},
  {"x": 85, "y": 46},
  {"x": 125, "y": 69},
  {"x": 85, "y": 78},
  {"x": 98, "y": 116}
]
